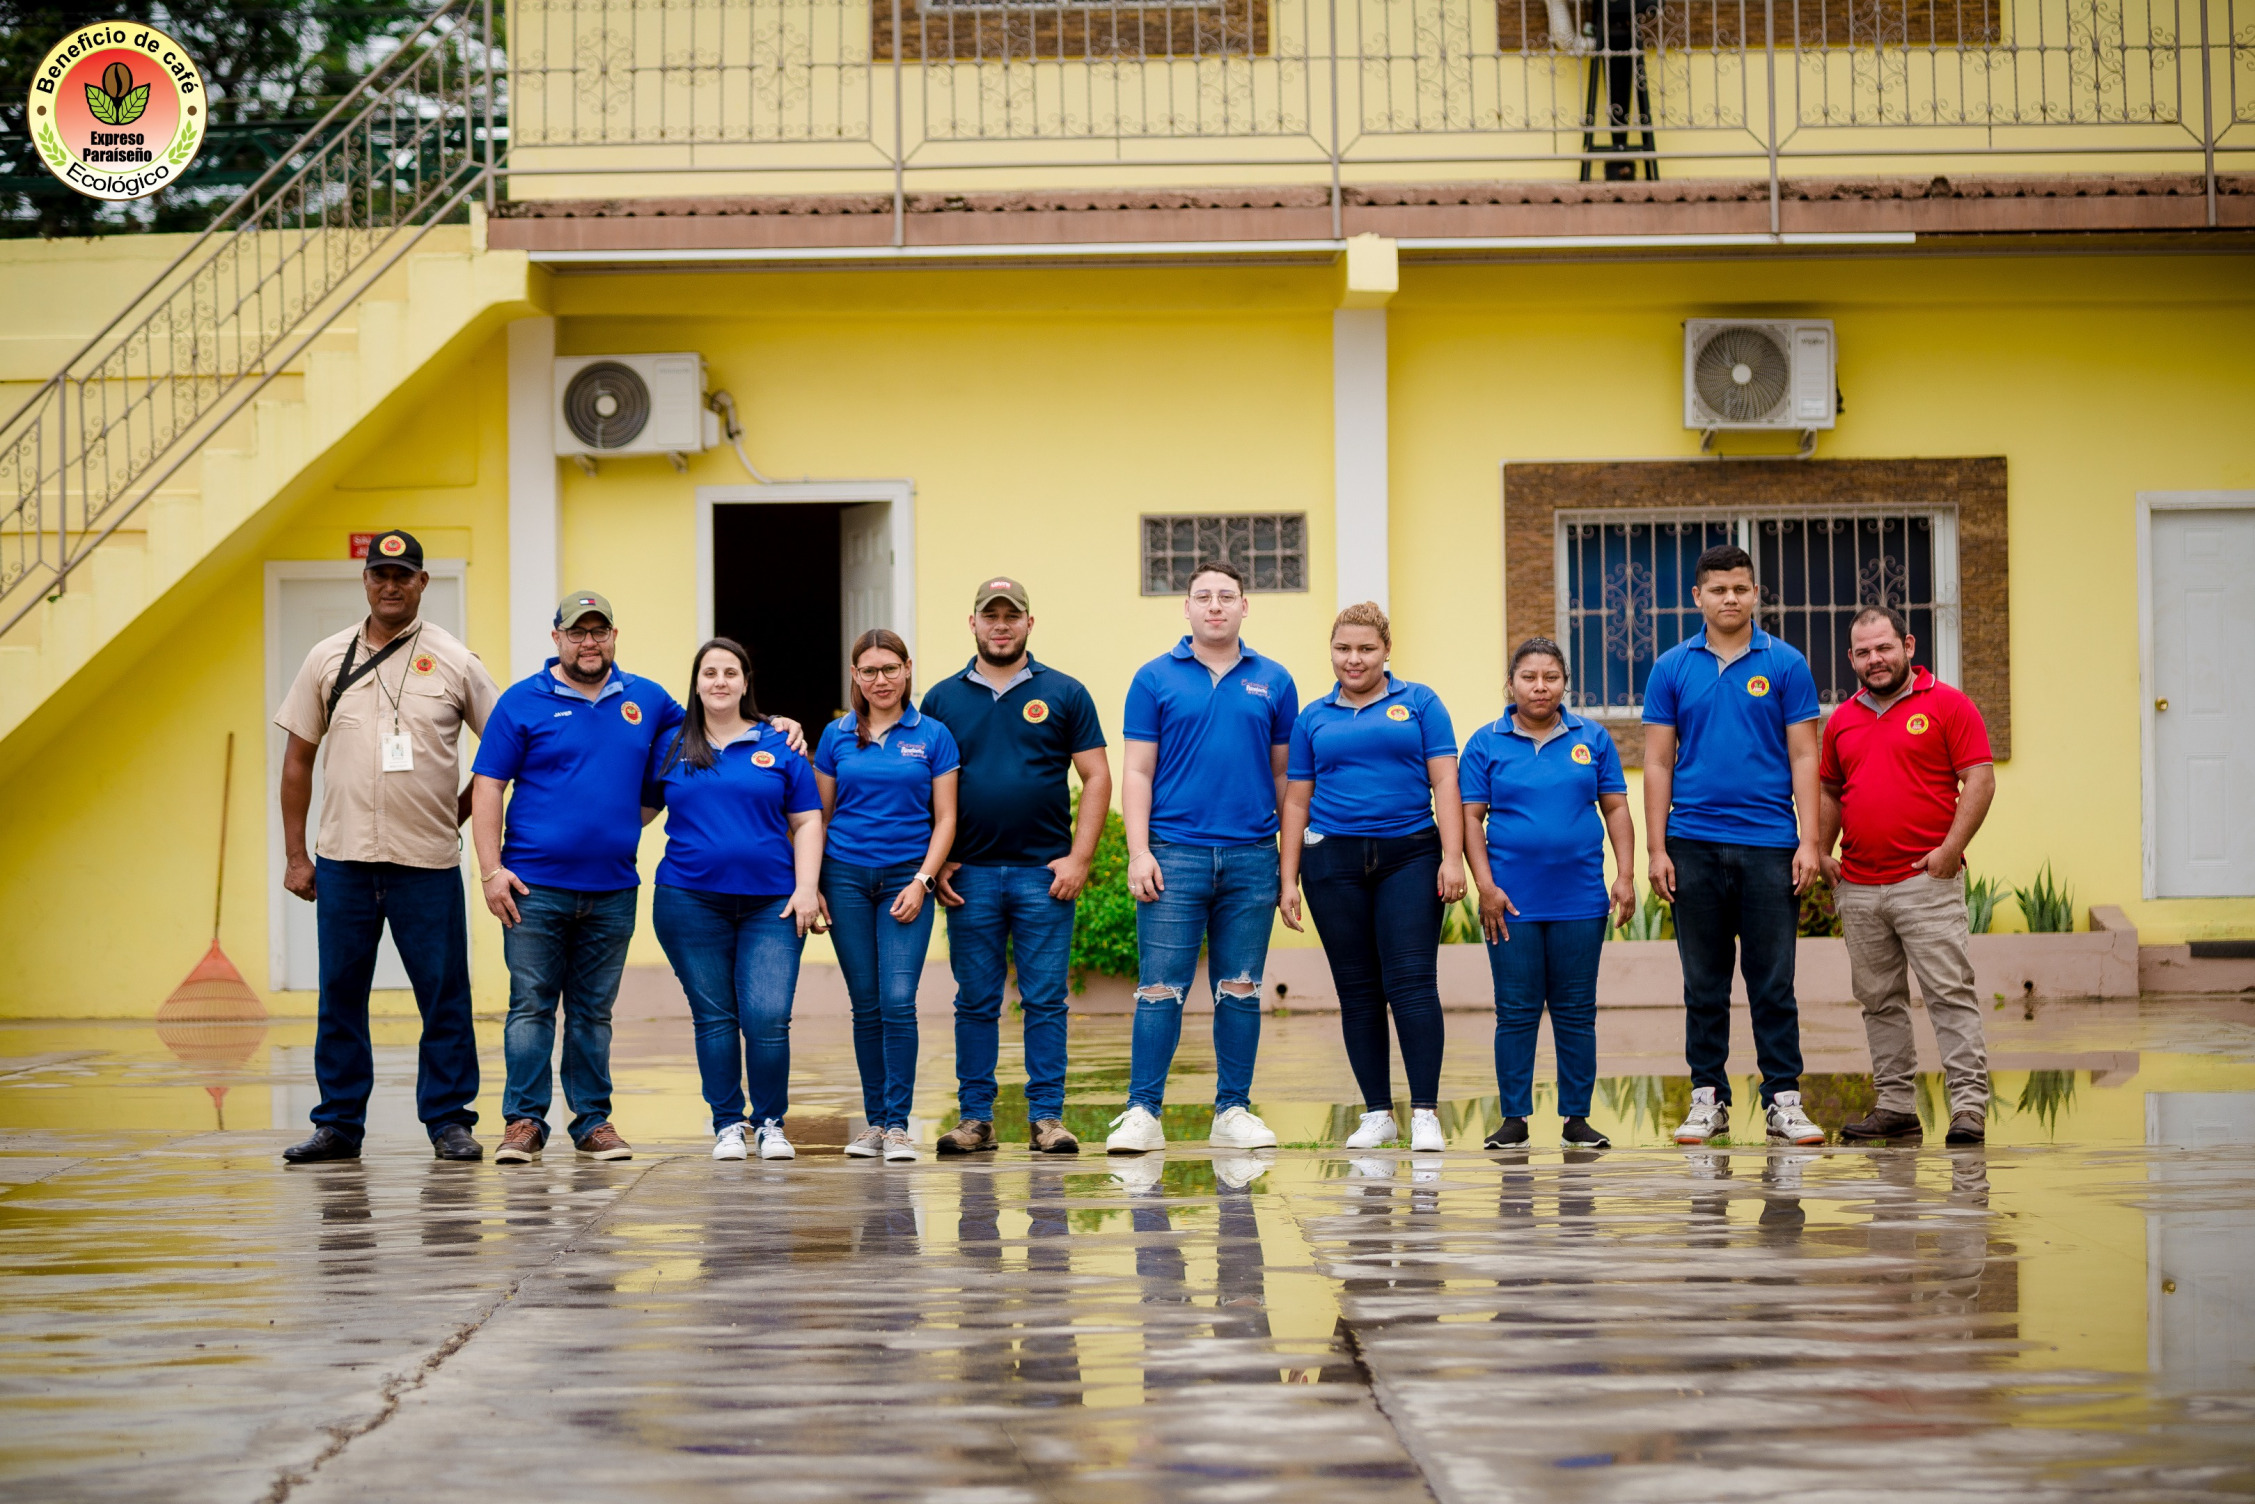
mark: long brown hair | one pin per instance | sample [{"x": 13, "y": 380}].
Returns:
[
  {"x": 876, "y": 637},
  {"x": 690, "y": 744}
]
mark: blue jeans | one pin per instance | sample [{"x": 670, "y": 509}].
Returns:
[
  {"x": 1225, "y": 898},
  {"x": 882, "y": 960},
  {"x": 1737, "y": 899},
  {"x": 738, "y": 959},
  {"x": 569, "y": 946},
  {"x": 1009, "y": 905},
  {"x": 1376, "y": 903},
  {"x": 1547, "y": 961},
  {"x": 423, "y": 906}
]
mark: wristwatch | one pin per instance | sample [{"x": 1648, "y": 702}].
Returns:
[{"x": 927, "y": 880}]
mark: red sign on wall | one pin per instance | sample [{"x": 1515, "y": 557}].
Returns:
[{"x": 360, "y": 542}]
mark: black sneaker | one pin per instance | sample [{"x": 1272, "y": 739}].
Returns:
[
  {"x": 1578, "y": 1134},
  {"x": 1511, "y": 1135}
]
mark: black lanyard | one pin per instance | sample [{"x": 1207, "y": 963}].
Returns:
[{"x": 348, "y": 675}]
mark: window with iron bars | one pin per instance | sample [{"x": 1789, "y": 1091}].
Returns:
[
  {"x": 1270, "y": 547},
  {"x": 1625, "y": 581}
]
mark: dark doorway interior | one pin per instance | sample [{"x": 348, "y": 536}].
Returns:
[{"x": 775, "y": 590}]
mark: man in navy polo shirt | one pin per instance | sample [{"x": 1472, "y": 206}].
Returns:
[
  {"x": 1730, "y": 808},
  {"x": 1019, "y": 860},
  {"x": 1207, "y": 729},
  {"x": 575, "y": 739}
]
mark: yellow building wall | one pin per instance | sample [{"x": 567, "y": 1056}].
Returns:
[{"x": 1040, "y": 412}]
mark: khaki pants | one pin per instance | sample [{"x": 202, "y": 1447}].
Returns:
[{"x": 1915, "y": 925}]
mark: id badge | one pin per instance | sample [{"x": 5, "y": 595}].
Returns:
[{"x": 399, "y": 753}]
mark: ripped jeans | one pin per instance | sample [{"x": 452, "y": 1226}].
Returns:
[{"x": 1223, "y": 897}]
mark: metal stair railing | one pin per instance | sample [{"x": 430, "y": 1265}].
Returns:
[{"x": 398, "y": 154}]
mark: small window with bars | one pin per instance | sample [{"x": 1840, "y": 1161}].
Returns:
[
  {"x": 1625, "y": 583},
  {"x": 1270, "y": 547}
]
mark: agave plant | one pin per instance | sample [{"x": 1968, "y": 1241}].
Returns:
[
  {"x": 1653, "y": 920},
  {"x": 2048, "y": 907},
  {"x": 1460, "y": 922},
  {"x": 1981, "y": 902}
]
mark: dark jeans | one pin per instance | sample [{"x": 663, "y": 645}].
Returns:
[
  {"x": 1737, "y": 899},
  {"x": 423, "y": 906},
  {"x": 1554, "y": 962},
  {"x": 882, "y": 961},
  {"x": 1009, "y": 906},
  {"x": 568, "y": 946},
  {"x": 738, "y": 959},
  {"x": 1376, "y": 902}
]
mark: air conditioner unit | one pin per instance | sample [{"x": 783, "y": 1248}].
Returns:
[
  {"x": 619, "y": 405},
  {"x": 1757, "y": 374}
]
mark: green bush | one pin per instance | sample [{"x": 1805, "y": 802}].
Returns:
[
  {"x": 1653, "y": 920},
  {"x": 1104, "y": 920},
  {"x": 1460, "y": 922},
  {"x": 1980, "y": 902},
  {"x": 2048, "y": 908},
  {"x": 1820, "y": 915}
]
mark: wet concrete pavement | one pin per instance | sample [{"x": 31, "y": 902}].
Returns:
[{"x": 2064, "y": 1313}]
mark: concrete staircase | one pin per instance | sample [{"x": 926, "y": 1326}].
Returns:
[{"x": 369, "y": 365}]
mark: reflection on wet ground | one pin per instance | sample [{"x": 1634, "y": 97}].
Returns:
[{"x": 2069, "y": 1311}]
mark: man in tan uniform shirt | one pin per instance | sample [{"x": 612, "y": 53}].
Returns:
[{"x": 389, "y": 848}]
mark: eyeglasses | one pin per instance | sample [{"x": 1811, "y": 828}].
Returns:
[
  {"x": 1216, "y": 598},
  {"x": 577, "y": 635},
  {"x": 881, "y": 671}
]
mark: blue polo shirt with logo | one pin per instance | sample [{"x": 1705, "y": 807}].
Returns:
[
  {"x": 1546, "y": 840},
  {"x": 1368, "y": 764},
  {"x": 575, "y": 816},
  {"x": 1014, "y": 805},
  {"x": 1215, "y": 785},
  {"x": 884, "y": 808},
  {"x": 727, "y": 826},
  {"x": 1733, "y": 780}
]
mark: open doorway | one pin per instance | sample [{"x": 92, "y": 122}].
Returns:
[{"x": 795, "y": 572}]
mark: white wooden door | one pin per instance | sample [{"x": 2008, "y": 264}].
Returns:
[
  {"x": 865, "y": 577},
  {"x": 308, "y": 608},
  {"x": 2203, "y": 593}
]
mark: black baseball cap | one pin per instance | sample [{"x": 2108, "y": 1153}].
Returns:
[{"x": 394, "y": 547}]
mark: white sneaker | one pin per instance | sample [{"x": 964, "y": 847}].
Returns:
[
  {"x": 867, "y": 1144},
  {"x": 1140, "y": 1176},
  {"x": 1239, "y": 1170},
  {"x": 1371, "y": 1169},
  {"x": 898, "y": 1150},
  {"x": 772, "y": 1143},
  {"x": 1239, "y": 1129},
  {"x": 1789, "y": 1124},
  {"x": 1708, "y": 1118},
  {"x": 729, "y": 1143},
  {"x": 1377, "y": 1128},
  {"x": 1425, "y": 1135},
  {"x": 1136, "y": 1131}
]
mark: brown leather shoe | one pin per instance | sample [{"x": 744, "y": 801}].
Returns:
[
  {"x": 1967, "y": 1128},
  {"x": 967, "y": 1137},
  {"x": 603, "y": 1142},
  {"x": 1050, "y": 1136},
  {"x": 522, "y": 1144},
  {"x": 1884, "y": 1126}
]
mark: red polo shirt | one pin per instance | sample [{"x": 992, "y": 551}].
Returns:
[{"x": 1898, "y": 775}]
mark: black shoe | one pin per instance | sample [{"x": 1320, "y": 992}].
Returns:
[
  {"x": 1967, "y": 1128},
  {"x": 1511, "y": 1135},
  {"x": 1578, "y": 1134},
  {"x": 454, "y": 1142},
  {"x": 1883, "y": 1125},
  {"x": 326, "y": 1144}
]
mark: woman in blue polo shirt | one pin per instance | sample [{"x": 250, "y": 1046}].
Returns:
[
  {"x": 1535, "y": 782},
  {"x": 888, "y": 798},
  {"x": 1369, "y": 766},
  {"x": 737, "y": 891}
]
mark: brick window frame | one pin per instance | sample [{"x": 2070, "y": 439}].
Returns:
[{"x": 1535, "y": 494}]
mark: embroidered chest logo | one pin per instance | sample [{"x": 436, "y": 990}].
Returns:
[
  {"x": 1256, "y": 687},
  {"x": 392, "y": 547},
  {"x": 1757, "y": 686},
  {"x": 1917, "y": 725},
  {"x": 1397, "y": 712},
  {"x": 1580, "y": 754},
  {"x": 424, "y": 663},
  {"x": 763, "y": 759},
  {"x": 915, "y": 750},
  {"x": 1036, "y": 712},
  {"x": 632, "y": 712}
]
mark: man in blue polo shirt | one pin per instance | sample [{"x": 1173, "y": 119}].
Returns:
[
  {"x": 575, "y": 739},
  {"x": 1207, "y": 729},
  {"x": 1730, "y": 808},
  {"x": 1019, "y": 859}
]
